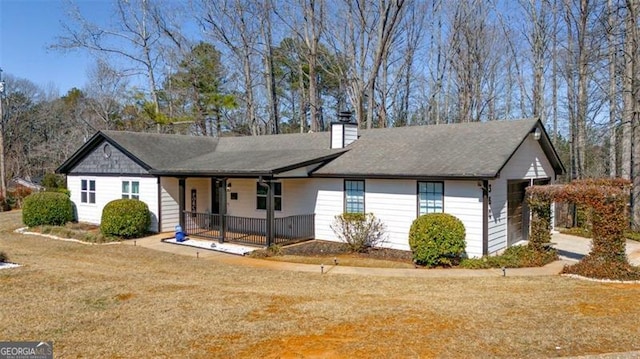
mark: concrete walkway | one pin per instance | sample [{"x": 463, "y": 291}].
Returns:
[
  {"x": 154, "y": 242},
  {"x": 573, "y": 248}
]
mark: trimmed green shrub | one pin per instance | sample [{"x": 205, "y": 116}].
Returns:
[
  {"x": 359, "y": 231},
  {"x": 437, "y": 239},
  {"x": 47, "y": 208},
  {"x": 125, "y": 218}
]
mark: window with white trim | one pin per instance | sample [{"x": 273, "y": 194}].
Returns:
[
  {"x": 430, "y": 197},
  {"x": 131, "y": 189},
  {"x": 87, "y": 191},
  {"x": 353, "y": 196},
  {"x": 261, "y": 196}
]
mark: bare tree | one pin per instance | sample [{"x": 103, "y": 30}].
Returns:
[
  {"x": 105, "y": 89},
  {"x": 133, "y": 37},
  {"x": 236, "y": 25}
]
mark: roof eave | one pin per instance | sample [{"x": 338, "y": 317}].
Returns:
[
  {"x": 221, "y": 174},
  {"x": 437, "y": 177}
]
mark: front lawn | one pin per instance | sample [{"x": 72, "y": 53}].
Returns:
[{"x": 129, "y": 301}]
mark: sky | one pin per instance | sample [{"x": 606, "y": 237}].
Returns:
[{"x": 28, "y": 28}]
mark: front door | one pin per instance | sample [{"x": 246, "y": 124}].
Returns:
[
  {"x": 215, "y": 196},
  {"x": 518, "y": 212}
]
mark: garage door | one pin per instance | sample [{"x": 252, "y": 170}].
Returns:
[{"x": 518, "y": 212}]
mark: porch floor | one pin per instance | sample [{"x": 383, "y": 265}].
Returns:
[{"x": 231, "y": 248}]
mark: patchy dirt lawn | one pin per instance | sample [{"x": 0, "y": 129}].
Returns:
[{"x": 123, "y": 301}]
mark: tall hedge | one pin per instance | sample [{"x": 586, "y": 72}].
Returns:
[
  {"x": 125, "y": 218},
  {"x": 47, "y": 208},
  {"x": 437, "y": 239}
]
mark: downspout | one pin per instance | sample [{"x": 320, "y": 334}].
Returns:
[
  {"x": 270, "y": 214},
  {"x": 485, "y": 217},
  {"x": 159, "y": 186}
]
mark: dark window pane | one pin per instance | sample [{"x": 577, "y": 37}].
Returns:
[
  {"x": 277, "y": 188},
  {"x": 262, "y": 202},
  {"x": 83, "y": 185},
  {"x": 277, "y": 203},
  {"x": 261, "y": 190},
  {"x": 92, "y": 185},
  {"x": 92, "y": 197},
  {"x": 83, "y": 197}
]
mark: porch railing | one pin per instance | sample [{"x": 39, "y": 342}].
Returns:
[{"x": 249, "y": 230}]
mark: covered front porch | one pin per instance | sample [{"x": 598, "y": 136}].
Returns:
[
  {"x": 250, "y": 211},
  {"x": 252, "y": 231},
  {"x": 240, "y": 195}
]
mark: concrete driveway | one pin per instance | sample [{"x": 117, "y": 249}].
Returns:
[{"x": 574, "y": 248}]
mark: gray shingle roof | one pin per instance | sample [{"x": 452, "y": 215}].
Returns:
[
  {"x": 161, "y": 150},
  {"x": 451, "y": 150},
  {"x": 470, "y": 150}
]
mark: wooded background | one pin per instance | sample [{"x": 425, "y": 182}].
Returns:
[{"x": 257, "y": 67}]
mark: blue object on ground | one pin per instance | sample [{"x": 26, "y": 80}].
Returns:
[{"x": 180, "y": 235}]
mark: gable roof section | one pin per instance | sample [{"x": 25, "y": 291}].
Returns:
[
  {"x": 149, "y": 150},
  {"x": 464, "y": 150}
]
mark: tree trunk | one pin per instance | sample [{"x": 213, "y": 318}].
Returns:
[
  {"x": 270, "y": 77},
  {"x": 627, "y": 100},
  {"x": 582, "y": 87},
  {"x": 632, "y": 51},
  {"x": 612, "y": 89}
]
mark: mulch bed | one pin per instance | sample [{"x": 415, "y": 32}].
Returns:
[{"x": 321, "y": 248}]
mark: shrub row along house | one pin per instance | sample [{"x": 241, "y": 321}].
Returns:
[{"x": 279, "y": 188}]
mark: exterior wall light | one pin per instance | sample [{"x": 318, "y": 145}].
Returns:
[{"x": 537, "y": 133}]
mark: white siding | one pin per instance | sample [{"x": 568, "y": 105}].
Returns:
[
  {"x": 298, "y": 197},
  {"x": 329, "y": 203},
  {"x": 343, "y": 134},
  {"x": 463, "y": 199},
  {"x": 169, "y": 203},
  {"x": 350, "y": 133},
  {"x": 337, "y": 131},
  {"x": 395, "y": 203},
  {"x": 109, "y": 189},
  {"x": 528, "y": 162}
]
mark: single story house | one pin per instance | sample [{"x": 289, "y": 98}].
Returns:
[{"x": 279, "y": 188}]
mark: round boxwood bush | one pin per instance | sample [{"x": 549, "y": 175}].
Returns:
[
  {"x": 437, "y": 239},
  {"x": 47, "y": 208},
  {"x": 125, "y": 218}
]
